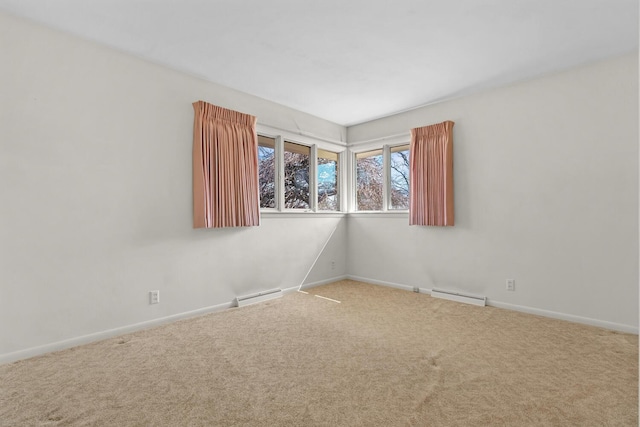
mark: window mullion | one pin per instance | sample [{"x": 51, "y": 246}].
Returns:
[
  {"x": 386, "y": 171},
  {"x": 352, "y": 182},
  {"x": 313, "y": 178},
  {"x": 279, "y": 175},
  {"x": 344, "y": 188}
]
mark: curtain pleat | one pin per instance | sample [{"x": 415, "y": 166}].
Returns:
[
  {"x": 431, "y": 177},
  {"x": 225, "y": 168}
]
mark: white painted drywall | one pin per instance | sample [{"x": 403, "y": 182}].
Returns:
[
  {"x": 546, "y": 193},
  {"x": 95, "y": 193}
]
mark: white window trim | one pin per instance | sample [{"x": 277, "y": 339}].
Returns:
[
  {"x": 380, "y": 214},
  {"x": 363, "y": 147},
  {"x": 313, "y": 178},
  {"x": 386, "y": 178},
  {"x": 279, "y": 173},
  {"x": 389, "y": 148},
  {"x": 346, "y": 173},
  {"x": 281, "y": 135}
]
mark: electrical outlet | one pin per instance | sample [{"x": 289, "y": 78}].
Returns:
[
  {"x": 511, "y": 284},
  {"x": 154, "y": 297},
  {"x": 333, "y": 265}
]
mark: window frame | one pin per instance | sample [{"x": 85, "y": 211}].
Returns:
[
  {"x": 276, "y": 178},
  {"x": 386, "y": 177},
  {"x": 371, "y": 153},
  {"x": 281, "y": 137},
  {"x": 339, "y": 172},
  {"x": 311, "y": 182},
  {"x": 390, "y": 149}
]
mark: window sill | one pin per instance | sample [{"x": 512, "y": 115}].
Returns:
[
  {"x": 379, "y": 214},
  {"x": 331, "y": 214},
  {"x": 300, "y": 214}
]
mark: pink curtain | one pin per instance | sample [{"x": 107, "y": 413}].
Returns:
[
  {"x": 431, "y": 163},
  {"x": 225, "y": 168}
]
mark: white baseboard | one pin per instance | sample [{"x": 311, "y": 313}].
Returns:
[
  {"x": 314, "y": 284},
  {"x": 110, "y": 333},
  {"x": 562, "y": 316},
  {"x": 631, "y": 329},
  {"x": 86, "y": 339},
  {"x": 388, "y": 284}
]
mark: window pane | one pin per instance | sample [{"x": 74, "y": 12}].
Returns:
[
  {"x": 369, "y": 180},
  {"x": 328, "y": 181},
  {"x": 400, "y": 177},
  {"x": 266, "y": 171},
  {"x": 296, "y": 176}
]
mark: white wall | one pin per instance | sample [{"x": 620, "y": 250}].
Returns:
[
  {"x": 96, "y": 204},
  {"x": 546, "y": 192},
  {"x": 96, "y": 209}
]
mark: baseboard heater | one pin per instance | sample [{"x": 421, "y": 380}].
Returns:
[
  {"x": 258, "y": 297},
  {"x": 459, "y": 297}
]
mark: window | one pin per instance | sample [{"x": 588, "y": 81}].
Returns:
[
  {"x": 267, "y": 171},
  {"x": 296, "y": 176},
  {"x": 382, "y": 179},
  {"x": 399, "y": 174},
  {"x": 369, "y": 181},
  {"x": 328, "y": 195}
]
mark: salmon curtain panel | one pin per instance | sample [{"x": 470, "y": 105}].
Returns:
[
  {"x": 225, "y": 168},
  {"x": 431, "y": 175}
]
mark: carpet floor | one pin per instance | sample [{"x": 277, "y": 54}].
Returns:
[{"x": 380, "y": 357}]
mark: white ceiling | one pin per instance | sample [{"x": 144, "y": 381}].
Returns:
[{"x": 350, "y": 61}]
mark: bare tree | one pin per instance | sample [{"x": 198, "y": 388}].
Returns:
[
  {"x": 370, "y": 181},
  {"x": 369, "y": 178},
  {"x": 400, "y": 179},
  {"x": 327, "y": 188},
  {"x": 296, "y": 179},
  {"x": 266, "y": 176}
]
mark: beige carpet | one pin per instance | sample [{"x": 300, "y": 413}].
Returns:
[{"x": 382, "y": 357}]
